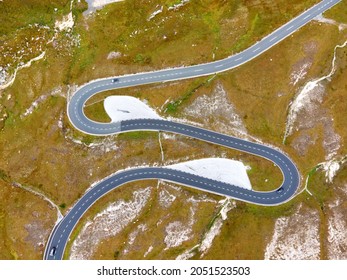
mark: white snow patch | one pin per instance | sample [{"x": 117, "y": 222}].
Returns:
[
  {"x": 161, "y": 148},
  {"x": 201, "y": 198},
  {"x": 135, "y": 233},
  {"x": 187, "y": 254},
  {"x": 66, "y": 24},
  {"x": 298, "y": 75},
  {"x": 331, "y": 168},
  {"x": 166, "y": 198},
  {"x": 98, "y": 4},
  {"x": 34, "y": 105},
  {"x": 150, "y": 248},
  {"x": 337, "y": 235},
  {"x": 21, "y": 66},
  {"x": 168, "y": 136},
  {"x": 108, "y": 223},
  {"x": 210, "y": 235},
  {"x": 121, "y": 108},
  {"x": 216, "y": 227},
  {"x": 312, "y": 92},
  {"x": 178, "y": 232},
  {"x": 332, "y": 143},
  {"x": 228, "y": 205},
  {"x": 55, "y": 92},
  {"x": 224, "y": 170},
  {"x": 107, "y": 144},
  {"x": 3, "y": 75},
  {"x": 171, "y": 186},
  {"x": 295, "y": 237},
  {"x": 208, "y": 238},
  {"x": 60, "y": 121},
  {"x": 155, "y": 13},
  {"x": 179, "y": 5},
  {"x": 216, "y": 111}
]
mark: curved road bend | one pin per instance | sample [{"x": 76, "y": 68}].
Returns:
[{"x": 60, "y": 235}]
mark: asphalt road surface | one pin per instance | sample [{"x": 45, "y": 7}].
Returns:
[{"x": 59, "y": 237}]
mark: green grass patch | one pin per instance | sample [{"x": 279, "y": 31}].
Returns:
[
  {"x": 338, "y": 12},
  {"x": 97, "y": 112},
  {"x": 62, "y": 206},
  {"x": 3, "y": 175},
  {"x": 173, "y": 106},
  {"x": 10, "y": 120},
  {"x": 15, "y": 14},
  {"x": 321, "y": 190},
  {"x": 285, "y": 209},
  {"x": 247, "y": 38},
  {"x": 212, "y": 23},
  {"x": 142, "y": 59},
  {"x": 137, "y": 135},
  {"x": 74, "y": 234},
  {"x": 88, "y": 139}
]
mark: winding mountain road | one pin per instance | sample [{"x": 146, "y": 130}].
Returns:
[{"x": 59, "y": 237}]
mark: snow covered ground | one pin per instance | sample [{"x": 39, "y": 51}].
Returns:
[
  {"x": 220, "y": 169},
  {"x": 312, "y": 93},
  {"x": 166, "y": 198},
  {"x": 4, "y": 84},
  {"x": 216, "y": 227},
  {"x": 300, "y": 73},
  {"x": 153, "y": 15},
  {"x": 23, "y": 58},
  {"x": 215, "y": 111},
  {"x": 331, "y": 167},
  {"x": 210, "y": 235},
  {"x": 337, "y": 233},
  {"x": 58, "y": 91},
  {"x": 66, "y": 23},
  {"x": 103, "y": 224},
  {"x": 120, "y": 108},
  {"x": 179, "y": 5},
  {"x": 295, "y": 237},
  {"x": 177, "y": 232},
  {"x": 3, "y": 75},
  {"x": 98, "y": 4}
]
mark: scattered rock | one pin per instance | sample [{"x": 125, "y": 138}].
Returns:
[{"x": 114, "y": 55}]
